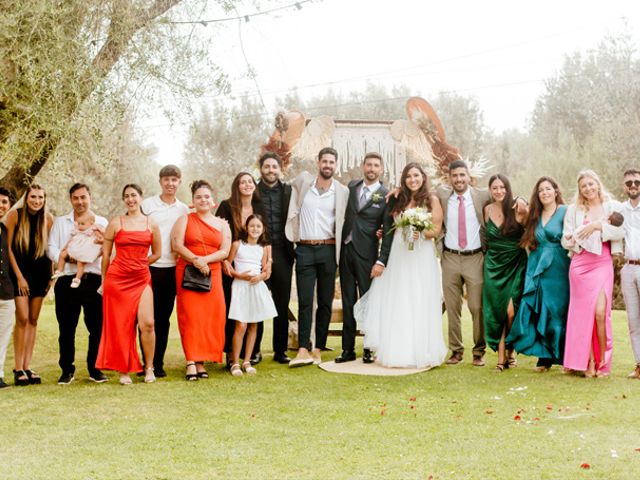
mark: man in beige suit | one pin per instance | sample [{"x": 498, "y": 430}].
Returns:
[
  {"x": 314, "y": 224},
  {"x": 462, "y": 244}
]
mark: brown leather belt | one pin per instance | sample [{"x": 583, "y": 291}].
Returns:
[
  {"x": 633, "y": 262},
  {"x": 329, "y": 241},
  {"x": 462, "y": 252}
]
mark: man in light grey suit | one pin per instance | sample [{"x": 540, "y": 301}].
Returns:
[
  {"x": 462, "y": 245},
  {"x": 314, "y": 224}
]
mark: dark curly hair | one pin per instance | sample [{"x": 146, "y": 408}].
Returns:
[{"x": 196, "y": 184}]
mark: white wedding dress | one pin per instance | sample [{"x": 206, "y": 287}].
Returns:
[{"x": 401, "y": 314}]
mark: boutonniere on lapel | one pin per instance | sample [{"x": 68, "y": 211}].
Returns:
[{"x": 376, "y": 197}]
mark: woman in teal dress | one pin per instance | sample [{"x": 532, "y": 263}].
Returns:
[
  {"x": 504, "y": 266},
  {"x": 539, "y": 326}
]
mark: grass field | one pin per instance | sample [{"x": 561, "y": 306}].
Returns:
[{"x": 451, "y": 422}]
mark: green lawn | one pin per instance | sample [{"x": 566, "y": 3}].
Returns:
[{"x": 452, "y": 422}]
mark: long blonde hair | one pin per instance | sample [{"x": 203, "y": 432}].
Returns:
[
  {"x": 21, "y": 237},
  {"x": 602, "y": 193}
]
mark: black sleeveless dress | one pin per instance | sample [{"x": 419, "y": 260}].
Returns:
[{"x": 36, "y": 271}]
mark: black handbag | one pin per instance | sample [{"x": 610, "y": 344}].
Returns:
[{"x": 193, "y": 278}]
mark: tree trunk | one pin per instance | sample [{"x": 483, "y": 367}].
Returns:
[{"x": 24, "y": 170}]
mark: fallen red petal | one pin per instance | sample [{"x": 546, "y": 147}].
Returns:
[
  {"x": 585, "y": 466},
  {"x": 517, "y": 418}
]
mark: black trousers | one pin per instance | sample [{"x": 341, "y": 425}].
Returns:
[
  {"x": 280, "y": 285},
  {"x": 355, "y": 280},
  {"x": 315, "y": 268},
  {"x": 163, "y": 285},
  {"x": 69, "y": 303}
]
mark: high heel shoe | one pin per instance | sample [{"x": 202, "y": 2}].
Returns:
[
  {"x": 249, "y": 369},
  {"x": 191, "y": 377},
  {"x": 34, "y": 378},
  {"x": 149, "y": 376},
  {"x": 591, "y": 370},
  {"x": 125, "y": 379},
  {"x": 20, "y": 378},
  {"x": 201, "y": 373}
]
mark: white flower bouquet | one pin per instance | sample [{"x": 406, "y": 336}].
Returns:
[{"x": 413, "y": 220}]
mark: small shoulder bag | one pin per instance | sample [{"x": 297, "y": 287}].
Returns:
[{"x": 193, "y": 278}]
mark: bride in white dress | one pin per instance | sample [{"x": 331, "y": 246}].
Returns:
[{"x": 401, "y": 314}]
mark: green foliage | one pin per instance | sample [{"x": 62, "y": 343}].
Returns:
[
  {"x": 225, "y": 139},
  {"x": 588, "y": 116},
  {"x": 65, "y": 63}
]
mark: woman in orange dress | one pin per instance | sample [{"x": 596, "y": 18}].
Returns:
[
  {"x": 126, "y": 290},
  {"x": 203, "y": 240}
]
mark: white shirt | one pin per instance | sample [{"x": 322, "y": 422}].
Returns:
[
  {"x": 473, "y": 226},
  {"x": 371, "y": 189},
  {"x": 165, "y": 215},
  {"x": 631, "y": 231},
  {"x": 59, "y": 237},
  {"x": 318, "y": 214}
]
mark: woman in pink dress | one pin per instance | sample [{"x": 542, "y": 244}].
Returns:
[
  {"x": 127, "y": 298},
  {"x": 589, "y": 341}
]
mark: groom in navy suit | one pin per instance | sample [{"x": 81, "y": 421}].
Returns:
[{"x": 361, "y": 256}]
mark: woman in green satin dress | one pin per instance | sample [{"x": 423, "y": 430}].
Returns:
[
  {"x": 505, "y": 263},
  {"x": 540, "y": 324}
]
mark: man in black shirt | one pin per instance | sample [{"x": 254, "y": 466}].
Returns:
[{"x": 275, "y": 196}]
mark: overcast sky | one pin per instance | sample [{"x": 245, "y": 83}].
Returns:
[{"x": 497, "y": 51}]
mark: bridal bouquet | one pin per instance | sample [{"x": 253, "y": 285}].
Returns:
[{"x": 413, "y": 220}]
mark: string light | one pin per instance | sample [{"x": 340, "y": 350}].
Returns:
[{"x": 246, "y": 17}]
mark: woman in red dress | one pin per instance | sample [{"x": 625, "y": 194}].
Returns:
[
  {"x": 127, "y": 298},
  {"x": 203, "y": 240}
]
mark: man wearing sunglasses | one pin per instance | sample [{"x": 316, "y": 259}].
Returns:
[{"x": 630, "y": 275}]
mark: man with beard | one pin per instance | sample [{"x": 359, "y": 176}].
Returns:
[
  {"x": 7, "y": 304},
  {"x": 314, "y": 223},
  {"x": 70, "y": 301},
  {"x": 360, "y": 260},
  {"x": 630, "y": 275},
  {"x": 165, "y": 209},
  {"x": 275, "y": 196},
  {"x": 462, "y": 244}
]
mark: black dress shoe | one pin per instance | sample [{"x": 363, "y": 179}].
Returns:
[
  {"x": 256, "y": 359},
  {"x": 281, "y": 358},
  {"x": 346, "y": 356},
  {"x": 367, "y": 356},
  {"x": 159, "y": 372}
]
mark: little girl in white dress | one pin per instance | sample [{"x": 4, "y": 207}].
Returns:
[
  {"x": 82, "y": 247},
  {"x": 251, "y": 300}
]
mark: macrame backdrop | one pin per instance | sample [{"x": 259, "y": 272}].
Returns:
[{"x": 354, "y": 138}]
